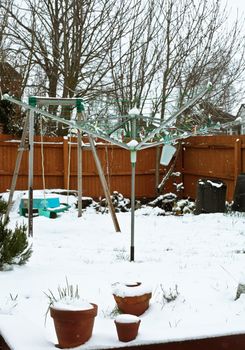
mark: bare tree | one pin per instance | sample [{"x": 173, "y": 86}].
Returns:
[
  {"x": 218, "y": 56},
  {"x": 69, "y": 40},
  {"x": 173, "y": 50},
  {"x": 199, "y": 47},
  {"x": 65, "y": 44},
  {"x": 138, "y": 59},
  {"x": 3, "y": 25},
  {"x": 153, "y": 55}
]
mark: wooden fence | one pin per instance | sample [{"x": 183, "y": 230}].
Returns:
[
  {"x": 60, "y": 167},
  {"x": 213, "y": 157}
]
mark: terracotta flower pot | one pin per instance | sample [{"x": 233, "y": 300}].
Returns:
[
  {"x": 136, "y": 305},
  {"x": 129, "y": 303},
  {"x": 73, "y": 328},
  {"x": 127, "y": 328}
]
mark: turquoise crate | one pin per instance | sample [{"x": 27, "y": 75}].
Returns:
[{"x": 48, "y": 207}]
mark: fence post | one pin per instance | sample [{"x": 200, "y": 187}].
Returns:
[
  {"x": 237, "y": 159},
  {"x": 157, "y": 168},
  {"x": 65, "y": 161},
  {"x": 182, "y": 168}
]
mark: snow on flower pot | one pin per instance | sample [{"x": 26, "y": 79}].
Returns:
[
  {"x": 73, "y": 327},
  {"x": 73, "y": 317},
  {"x": 132, "y": 298},
  {"x": 127, "y": 327}
]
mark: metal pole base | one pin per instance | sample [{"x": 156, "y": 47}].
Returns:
[
  {"x": 30, "y": 212},
  {"x": 131, "y": 253}
]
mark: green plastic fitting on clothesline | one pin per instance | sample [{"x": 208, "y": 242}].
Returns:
[
  {"x": 79, "y": 105},
  {"x": 32, "y": 101}
]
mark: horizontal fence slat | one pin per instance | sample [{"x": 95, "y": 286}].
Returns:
[
  {"x": 115, "y": 162},
  {"x": 208, "y": 174},
  {"x": 217, "y": 157}
]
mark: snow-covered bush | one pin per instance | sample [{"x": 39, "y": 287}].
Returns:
[
  {"x": 120, "y": 203},
  {"x": 170, "y": 203},
  {"x": 165, "y": 201},
  {"x": 14, "y": 245},
  {"x": 166, "y": 204},
  {"x": 184, "y": 206}
]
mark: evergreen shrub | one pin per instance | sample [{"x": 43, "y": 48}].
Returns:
[{"x": 14, "y": 245}]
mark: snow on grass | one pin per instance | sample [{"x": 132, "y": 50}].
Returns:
[{"x": 202, "y": 255}]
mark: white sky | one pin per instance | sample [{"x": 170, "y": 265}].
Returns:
[{"x": 234, "y": 5}]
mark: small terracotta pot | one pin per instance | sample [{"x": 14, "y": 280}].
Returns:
[
  {"x": 135, "y": 305},
  {"x": 73, "y": 328},
  {"x": 127, "y": 331}
]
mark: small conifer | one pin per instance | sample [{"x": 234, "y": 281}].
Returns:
[{"x": 14, "y": 245}]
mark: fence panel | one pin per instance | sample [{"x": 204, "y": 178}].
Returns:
[
  {"x": 57, "y": 159},
  {"x": 214, "y": 157}
]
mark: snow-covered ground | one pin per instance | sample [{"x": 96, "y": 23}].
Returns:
[{"x": 198, "y": 259}]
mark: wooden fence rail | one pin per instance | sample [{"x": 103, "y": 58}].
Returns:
[
  {"x": 214, "y": 157},
  {"x": 60, "y": 167}
]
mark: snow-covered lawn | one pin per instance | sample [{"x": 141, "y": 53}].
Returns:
[{"x": 203, "y": 257}]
